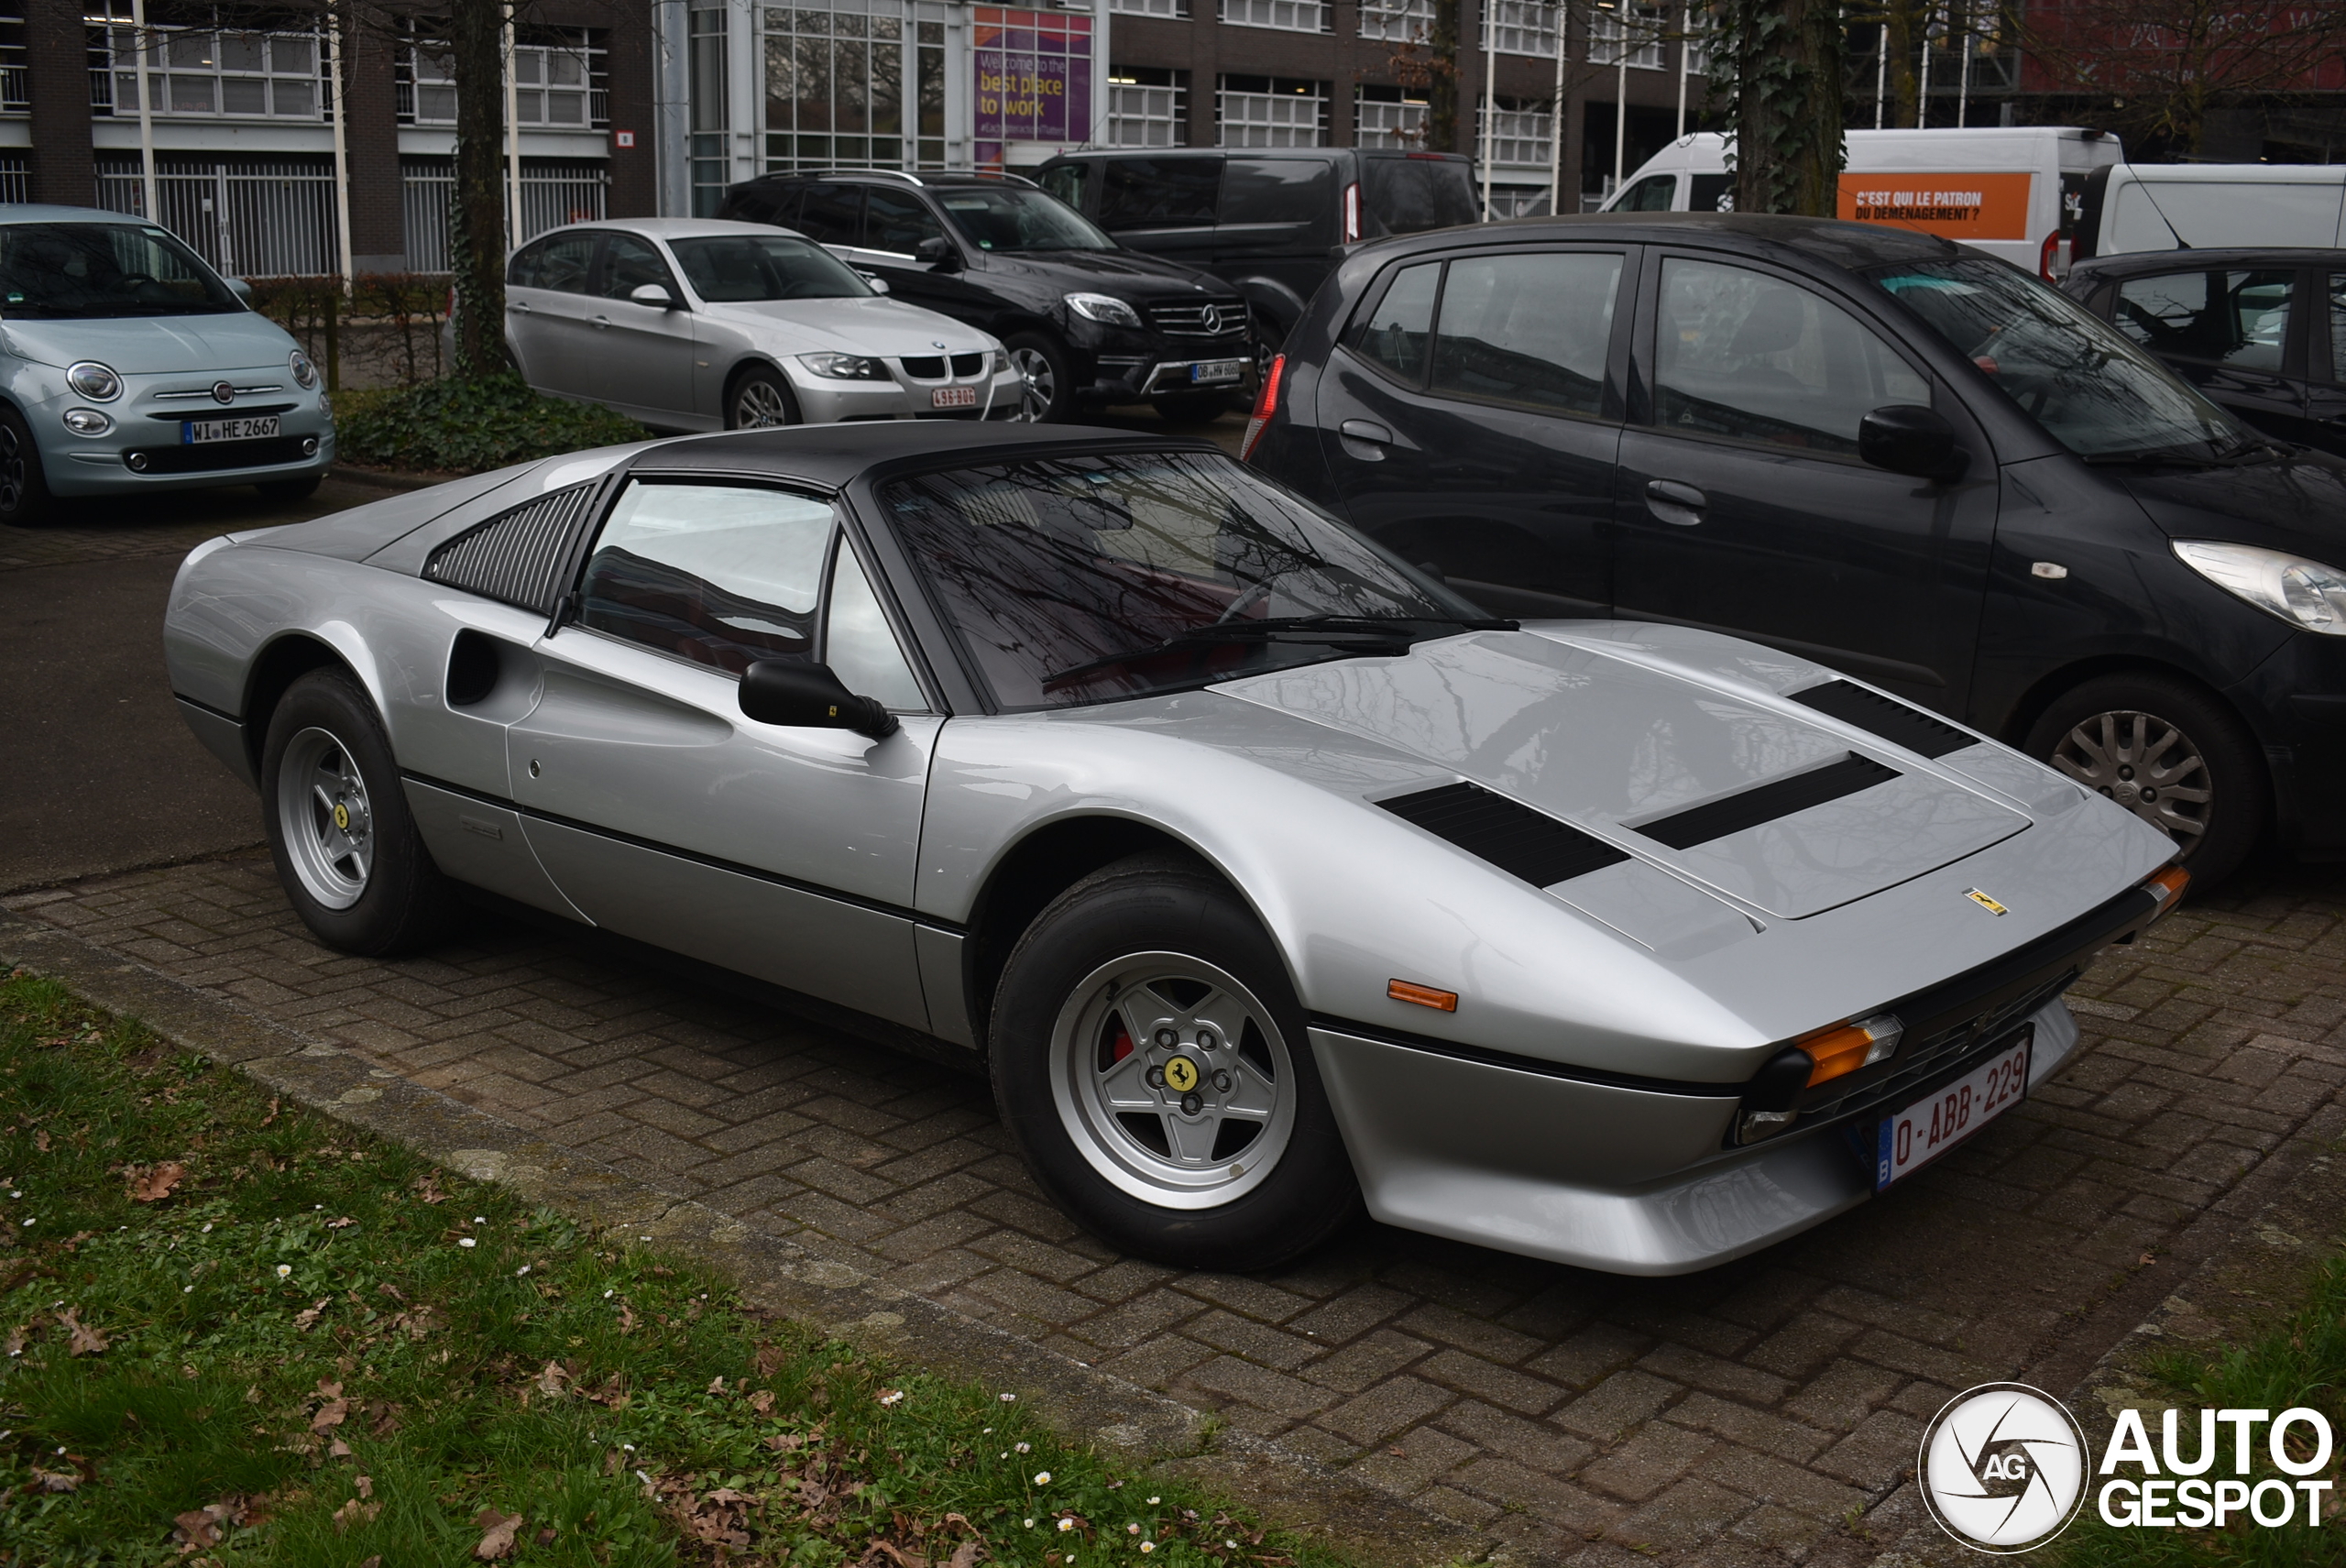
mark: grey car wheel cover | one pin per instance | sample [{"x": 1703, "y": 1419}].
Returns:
[
  {"x": 324, "y": 817},
  {"x": 2147, "y": 764},
  {"x": 1039, "y": 384},
  {"x": 15, "y": 471},
  {"x": 1229, "y": 1084},
  {"x": 758, "y": 404}
]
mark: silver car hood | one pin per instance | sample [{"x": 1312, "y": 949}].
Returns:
[
  {"x": 1612, "y": 726},
  {"x": 882, "y": 328}
]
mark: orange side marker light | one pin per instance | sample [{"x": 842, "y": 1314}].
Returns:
[{"x": 1424, "y": 995}]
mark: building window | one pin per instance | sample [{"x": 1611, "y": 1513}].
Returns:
[
  {"x": 1147, "y": 106},
  {"x": 561, "y": 82},
  {"x": 1639, "y": 33},
  {"x": 15, "y": 91},
  {"x": 1389, "y": 116},
  {"x": 1172, "y": 10},
  {"x": 1397, "y": 21},
  {"x": 1270, "y": 111},
  {"x": 1288, "y": 16},
  {"x": 190, "y": 70},
  {"x": 1524, "y": 26},
  {"x": 836, "y": 82},
  {"x": 1523, "y": 133}
]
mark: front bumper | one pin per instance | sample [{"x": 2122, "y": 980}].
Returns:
[
  {"x": 146, "y": 427},
  {"x": 1599, "y": 1176},
  {"x": 824, "y": 401}
]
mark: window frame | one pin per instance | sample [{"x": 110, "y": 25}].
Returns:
[
  {"x": 1646, "y": 352},
  {"x": 844, "y": 533},
  {"x": 595, "y": 239},
  {"x": 601, "y": 274},
  {"x": 1612, "y": 402}
]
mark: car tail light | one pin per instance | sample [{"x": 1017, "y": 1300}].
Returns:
[
  {"x": 2053, "y": 261},
  {"x": 2167, "y": 887},
  {"x": 1352, "y": 214},
  {"x": 1837, "y": 1052},
  {"x": 1266, "y": 403}
]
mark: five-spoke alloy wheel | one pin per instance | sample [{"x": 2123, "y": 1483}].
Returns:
[
  {"x": 323, "y": 817},
  {"x": 1151, "y": 1057},
  {"x": 1047, "y": 379}
]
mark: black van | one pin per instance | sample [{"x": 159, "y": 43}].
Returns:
[
  {"x": 1265, "y": 220},
  {"x": 1085, "y": 322},
  {"x": 1878, "y": 450}
]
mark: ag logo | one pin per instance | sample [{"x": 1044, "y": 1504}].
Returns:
[
  {"x": 1182, "y": 1074},
  {"x": 2003, "y": 1467}
]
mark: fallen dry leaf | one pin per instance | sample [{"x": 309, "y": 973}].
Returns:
[
  {"x": 355, "y": 1512},
  {"x": 308, "y": 1316},
  {"x": 429, "y": 1188},
  {"x": 341, "y": 1224},
  {"x": 54, "y": 1480},
  {"x": 338, "y": 1449},
  {"x": 966, "y": 1555},
  {"x": 548, "y": 1536},
  {"x": 551, "y": 1379},
  {"x": 41, "y": 1139},
  {"x": 153, "y": 1186},
  {"x": 496, "y": 1537},
  {"x": 334, "y": 1412},
  {"x": 762, "y": 1402},
  {"x": 365, "y": 1484},
  {"x": 86, "y": 1341},
  {"x": 627, "y": 1318},
  {"x": 265, "y": 1120}
]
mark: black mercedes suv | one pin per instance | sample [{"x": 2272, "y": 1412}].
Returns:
[
  {"x": 1874, "y": 449},
  {"x": 1086, "y": 322}
]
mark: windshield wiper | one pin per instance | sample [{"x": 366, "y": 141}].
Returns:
[{"x": 1359, "y": 634}]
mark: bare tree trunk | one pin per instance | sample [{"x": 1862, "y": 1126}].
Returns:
[
  {"x": 1441, "y": 85},
  {"x": 1787, "y": 106},
  {"x": 1905, "y": 17},
  {"x": 478, "y": 236}
]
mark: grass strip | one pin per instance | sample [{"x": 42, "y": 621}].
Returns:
[
  {"x": 233, "y": 1332},
  {"x": 2301, "y": 1361}
]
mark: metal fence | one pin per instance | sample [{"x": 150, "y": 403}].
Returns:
[
  {"x": 246, "y": 217},
  {"x": 553, "y": 192}
]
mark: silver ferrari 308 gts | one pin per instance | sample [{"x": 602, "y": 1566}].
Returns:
[{"x": 1265, "y": 874}]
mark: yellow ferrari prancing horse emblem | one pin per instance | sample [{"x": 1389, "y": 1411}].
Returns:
[
  {"x": 1984, "y": 902},
  {"x": 341, "y": 816},
  {"x": 1181, "y": 1075}
]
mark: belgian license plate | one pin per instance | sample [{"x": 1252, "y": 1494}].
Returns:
[
  {"x": 196, "y": 431},
  {"x": 953, "y": 398},
  {"x": 1216, "y": 371},
  {"x": 1911, "y": 1138}
]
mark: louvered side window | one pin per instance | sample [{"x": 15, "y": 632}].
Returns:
[{"x": 516, "y": 557}]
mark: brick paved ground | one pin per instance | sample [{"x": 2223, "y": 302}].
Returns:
[{"x": 1738, "y": 1415}]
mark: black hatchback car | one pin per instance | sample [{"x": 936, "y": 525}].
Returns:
[
  {"x": 1085, "y": 322},
  {"x": 2261, "y": 331},
  {"x": 1876, "y": 449},
  {"x": 1265, "y": 220}
]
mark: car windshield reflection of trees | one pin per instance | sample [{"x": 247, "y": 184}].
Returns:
[{"x": 1081, "y": 580}]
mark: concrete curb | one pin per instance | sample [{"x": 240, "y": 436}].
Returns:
[{"x": 1082, "y": 1403}]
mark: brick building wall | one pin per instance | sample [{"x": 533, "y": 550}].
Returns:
[{"x": 62, "y": 164}]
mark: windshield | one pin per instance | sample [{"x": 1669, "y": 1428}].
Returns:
[
  {"x": 79, "y": 272},
  {"x": 2096, "y": 394},
  {"x": 740, "y": 267},
  {"x": 1084, "y": 579},
  {"x": 1011, "y": 217}
]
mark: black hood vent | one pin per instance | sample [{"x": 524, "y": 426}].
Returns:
[
  {"x": 1887, "y": 717},
  {"x": 517, "y": 556},
  {"x": 1519, "y": 840},
  {"x": 1768, "y": 802}
]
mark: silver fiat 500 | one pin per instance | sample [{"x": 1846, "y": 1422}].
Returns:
[{"x": 1266, "y": 876}]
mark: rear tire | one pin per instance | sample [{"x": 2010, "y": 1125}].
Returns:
[
  {"x": 760, "y": 399},
  {"x": 347, "y": 853},
  {"x": 1155, "y": 1064},
  {"x": 2169, "y": 752},
  {"x": 290, "y": 489},
  {"x": 24, "y": 501}
]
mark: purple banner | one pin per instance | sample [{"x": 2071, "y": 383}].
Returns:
[{"x": 1034, "y": 79}]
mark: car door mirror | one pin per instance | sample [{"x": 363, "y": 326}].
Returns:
[
  {"x": 872, "y": 280},
  {"x": 656, "y": 295},
  {"x": 239, "y": 288},
  {"x": 939, "y": 253},
  {"x": 808, "y": 696},
  {"x": 1906, "y": 438}
]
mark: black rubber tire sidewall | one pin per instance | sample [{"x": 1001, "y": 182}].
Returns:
[
  {"x": 408, "y": 903},
  {"x": 1162, "y": 904},
  {"x": 2235, "y": 769},
  {"x": 1062, "y": 407},
  {"x": 34, "y": 505},
  {"x": 773, "y": 378}
]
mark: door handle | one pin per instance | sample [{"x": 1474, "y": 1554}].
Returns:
[
  {"x": 601, "y": 321},
  {"x": 1676, "y": 503},
  {"x": 1365, "y": 439},
  {"x": 520, "y": 307}
]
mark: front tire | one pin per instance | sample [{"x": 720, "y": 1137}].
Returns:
[
  {"x": 24, "y": 501},
  {"x": 1047, "y": 396},
  {"x": 1154, "y": 1062},
  {"x": 760, "y": 399},
  {"x": 2170, "y": 753},
  {"x": 347, "y": 853}
]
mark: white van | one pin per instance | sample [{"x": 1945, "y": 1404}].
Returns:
[
  {"x": 2207, "y": 206},
  {"x": 2015, "y": 191}
]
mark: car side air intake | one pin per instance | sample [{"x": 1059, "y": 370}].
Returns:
[
  {"x": 1768, "y": 802},
  {"x": 1886, "y": 717},
  {"x": 1519, "y": 840}
]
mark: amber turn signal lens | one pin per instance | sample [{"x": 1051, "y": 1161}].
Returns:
[
  {"x": 2167, "y": 887},
  {"x": 1424, "y": 995},
  {"x": 1843, "y": 1051}
]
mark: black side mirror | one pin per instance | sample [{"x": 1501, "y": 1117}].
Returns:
[
  {"x": 938, "y": 252},
  {"x": 808, "y": 696},
  {"x": 1906, "y": 438}
]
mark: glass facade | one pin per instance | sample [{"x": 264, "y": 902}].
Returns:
[{"x": 838, "y": 83}]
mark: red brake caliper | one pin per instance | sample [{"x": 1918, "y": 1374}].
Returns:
[{"x": 1115, "y": 1042}]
